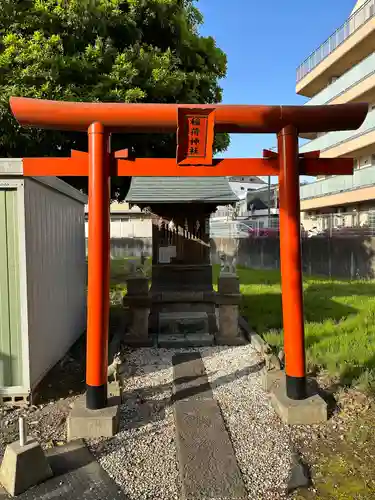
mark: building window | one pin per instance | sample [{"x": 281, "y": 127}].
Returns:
[{"x": 364, "y": 161}]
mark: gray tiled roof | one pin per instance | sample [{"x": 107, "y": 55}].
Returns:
[{"x": 180, "y": 189}]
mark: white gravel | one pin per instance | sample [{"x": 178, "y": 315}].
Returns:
[
  {"x": 142, "y": 457},
  {"x": 260, "y": 439}
]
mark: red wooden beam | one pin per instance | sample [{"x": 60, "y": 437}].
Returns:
[
  {"x": 147, "y": 167},
  {"x": 159, "y": 118},
  {"x": 326, "y": 166},
  {"x": 77, "y": 166},
  {"x": 79, "y": 154},
  {"x": 121, "y": 153},
  {"x": 267, "y": 153},
  {"x": 167, "y": 167},
  {"x": 310, "y": 154}
]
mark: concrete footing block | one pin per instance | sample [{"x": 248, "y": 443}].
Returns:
[
  {"x": 85, "y": 423},
  {"x": 308, "y": 411},
  {"x": 23, "y": 467}
]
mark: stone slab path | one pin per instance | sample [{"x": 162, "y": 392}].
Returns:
[{"x": 207, "y": 462}]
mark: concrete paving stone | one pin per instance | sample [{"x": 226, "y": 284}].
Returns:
[
  {"x": 189, "y": 377},
  {"x": 208, "y": 466},
  {"x": 77, "y": 475},
  {"x": 207, "y": 462}
]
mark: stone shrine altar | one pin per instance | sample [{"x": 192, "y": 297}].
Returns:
[{"x": 181, "y": 307}]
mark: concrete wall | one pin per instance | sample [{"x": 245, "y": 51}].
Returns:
[
  {"x": 348, "y": 258},
  {"x": 129, "y": 247},
  {"x": 341, "y": 257}
]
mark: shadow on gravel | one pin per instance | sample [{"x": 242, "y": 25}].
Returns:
[{"x": 149, "y": 404}]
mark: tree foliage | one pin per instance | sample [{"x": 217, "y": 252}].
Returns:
[{"x": 109, "y": 51}]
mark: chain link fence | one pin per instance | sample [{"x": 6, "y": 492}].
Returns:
[
  {"x": 330, "y": 225},
  {"x": 336, "y": 225}
]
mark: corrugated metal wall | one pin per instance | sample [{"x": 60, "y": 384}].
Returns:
[
  {"x": 10, "y": 310},
  {"x": 56, "y": 275}
]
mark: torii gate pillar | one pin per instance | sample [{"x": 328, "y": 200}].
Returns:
[
  {"x": 290, "y": 256},
  {"x": 98, "y": 267}
]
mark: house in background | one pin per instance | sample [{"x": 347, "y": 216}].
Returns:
[
  {"x": 342, "y": 70},
  {"x": 264, "y": 207},
  {"x": 240, "y": 186},
  {"x": 126, "y": 221}
]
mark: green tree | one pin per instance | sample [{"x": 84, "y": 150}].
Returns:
[{"x": 103, "y": 50}]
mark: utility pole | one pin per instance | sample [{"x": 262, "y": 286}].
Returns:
[
  {"x": 269, "y": 200},
  {"x": 269, "y": 195}
]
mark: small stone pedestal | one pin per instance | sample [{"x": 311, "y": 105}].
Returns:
[
  {"x": 139, "y": 302},
  {"x": 137, "y": 285},
  {"x": 23, "y": 467},
  {"x": 228, "y": 283},
  {"x": 228, "y": 300}
]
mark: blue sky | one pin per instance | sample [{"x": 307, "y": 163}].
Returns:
[{"x": 265, "y": 41}]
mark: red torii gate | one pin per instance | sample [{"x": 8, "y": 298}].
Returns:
[{"x": 195, "y": 126}]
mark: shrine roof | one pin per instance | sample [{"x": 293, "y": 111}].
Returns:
[{"x": 181, "y": 190}]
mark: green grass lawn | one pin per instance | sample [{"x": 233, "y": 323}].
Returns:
[
  {"x": 339, "y": 319},
  {"x": 339, "y": 322}
]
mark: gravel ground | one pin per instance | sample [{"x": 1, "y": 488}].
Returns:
[
  {"x": 261, "y": 441},
  {"x": 46, "y": 420},
  {"x": 142, "y": 458}
]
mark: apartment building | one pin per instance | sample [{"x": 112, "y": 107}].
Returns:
[{"x": 342, "y": 70}]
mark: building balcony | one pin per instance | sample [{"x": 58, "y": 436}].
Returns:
[
  {"x": 356, "y": 85},
  {"x": 347, "y": 46},
  {"x": 339, "y": 190},
  {"x": 344, "y": 143}
]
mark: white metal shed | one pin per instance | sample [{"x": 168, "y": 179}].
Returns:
[{"x": 42, "y": 276}]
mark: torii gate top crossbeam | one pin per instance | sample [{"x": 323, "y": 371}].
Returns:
[{"x": 160, "y": 118}]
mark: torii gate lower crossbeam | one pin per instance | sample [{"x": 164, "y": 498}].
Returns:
[{"x": 195, "y": 132}]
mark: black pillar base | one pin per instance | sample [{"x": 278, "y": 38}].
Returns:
[
  {"x": 296, "y": 387},
  {"x": 96, "y": 397}
]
